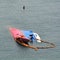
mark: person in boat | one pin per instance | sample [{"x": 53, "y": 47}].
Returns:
[
  {"x": 34, "y": 37},
  {"x": 37, "y": 37}
]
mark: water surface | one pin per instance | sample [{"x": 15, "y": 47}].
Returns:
[{"x": 41, "y": 16}]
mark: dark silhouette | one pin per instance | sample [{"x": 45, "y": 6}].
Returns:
[{"x": 23, "y": 7}]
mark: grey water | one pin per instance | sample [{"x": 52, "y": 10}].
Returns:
[{"x": 40, "y": 16}]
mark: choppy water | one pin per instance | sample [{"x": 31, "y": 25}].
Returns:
[{"x": 41, "y": 16}]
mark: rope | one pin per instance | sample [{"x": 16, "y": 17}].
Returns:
[{"x": 51, "y": 45}]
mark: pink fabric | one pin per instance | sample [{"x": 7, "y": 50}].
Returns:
[{"x": 16, "y": 32}]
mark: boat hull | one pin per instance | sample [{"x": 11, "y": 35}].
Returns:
[{"x": 18, "y": 35}]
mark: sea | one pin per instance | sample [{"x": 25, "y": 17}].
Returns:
[{"x": 40, "y": 16}]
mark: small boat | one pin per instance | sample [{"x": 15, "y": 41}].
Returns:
[
  {"x": 24, "y": 36},
  {"x": 18, "y": 36}
]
